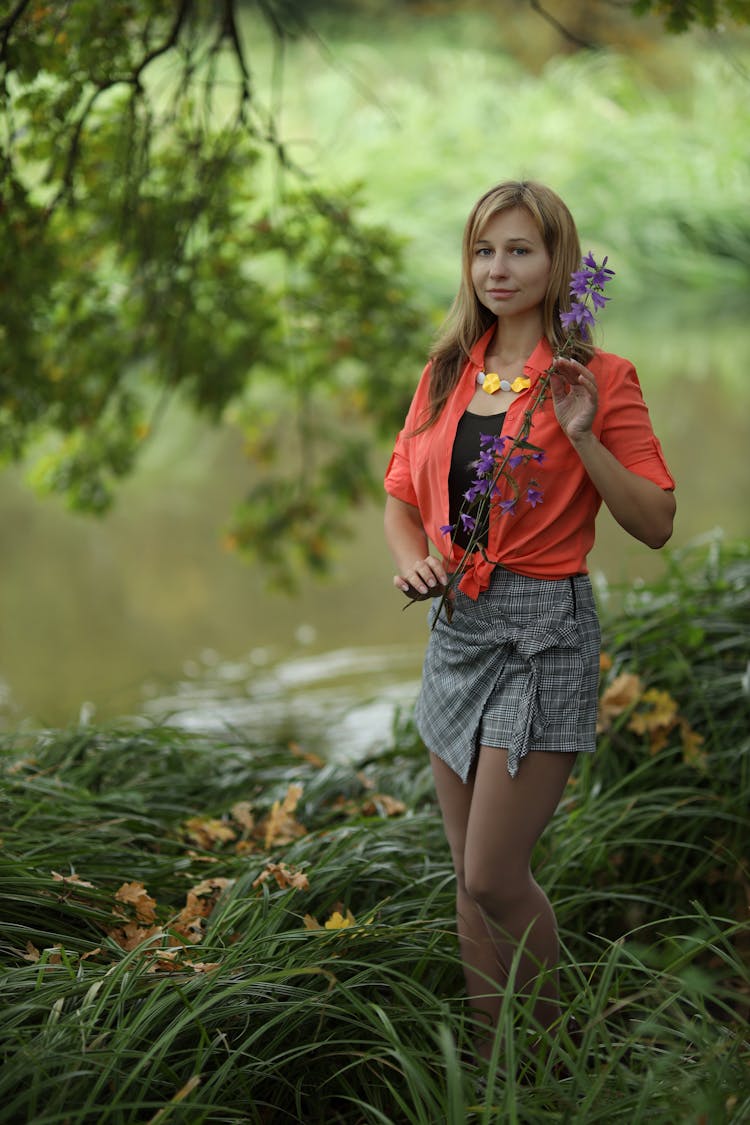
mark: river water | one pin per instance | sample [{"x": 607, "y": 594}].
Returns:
[{"x": 145, "y": 614}]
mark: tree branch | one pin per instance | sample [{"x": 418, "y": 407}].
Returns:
[
  {"x": 167, "y": 45},
  {"x": 569, "y": 35},
  {"x": 7, "y": 27},
  {"x": 133, "y": 79},
  {"x": 229, "y": 31}
]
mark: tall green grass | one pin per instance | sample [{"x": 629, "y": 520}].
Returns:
[{"x": 267, "y": 1018}]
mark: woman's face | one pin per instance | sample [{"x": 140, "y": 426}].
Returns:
[{"x": 510, "y": 266}]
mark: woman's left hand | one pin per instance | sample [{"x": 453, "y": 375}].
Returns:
[{"x": 575, "y": 397}]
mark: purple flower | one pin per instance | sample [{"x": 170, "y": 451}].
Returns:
[
  {"x": 469, "y": 523},
  {"x": 448, "y": 528},
  {"x": 493, "y": 442},
  {"x": 534, "y": 496},
  {"x": 586, "y": 285},
  {"x": 508, "y": 507},
  {"x": 515, "y": 460},
  {"x": 477, "y": 488},
  {"x": 579, "y": 283},
  {"x": 538, "y": 456},
  {"x": 579, "y": 314},
  {"x": 485, "y": 463},
  {"x": 600, "y": 276}
]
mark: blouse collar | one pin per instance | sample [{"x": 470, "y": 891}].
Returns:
[{"x": 537, "y": 363}]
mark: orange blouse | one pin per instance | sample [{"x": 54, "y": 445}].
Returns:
[{"x": 552, "y": 539}]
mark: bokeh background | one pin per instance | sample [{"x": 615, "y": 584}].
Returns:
[{"x": 647, "y": 137}]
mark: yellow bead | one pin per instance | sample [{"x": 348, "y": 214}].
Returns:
[
  {"x": 491, "y": 382},
  {"x": 520, "y": 384}
]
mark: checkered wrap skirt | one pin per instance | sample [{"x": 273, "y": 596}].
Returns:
[{"x": 518, "y": 668}]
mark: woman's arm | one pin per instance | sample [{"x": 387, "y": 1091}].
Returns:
[
  {"x": 641, "y": 507},
  {"x": 420, "y": 574}
]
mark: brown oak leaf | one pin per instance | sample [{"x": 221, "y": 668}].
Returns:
[
  {"x": 136, "y": 895},
  {"x": 285, "y": 877}
]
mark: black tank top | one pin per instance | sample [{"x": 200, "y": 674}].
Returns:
[{"x": 462, "y": 474}]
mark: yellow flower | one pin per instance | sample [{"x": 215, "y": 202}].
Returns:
[{"x": 491, "y": 382}]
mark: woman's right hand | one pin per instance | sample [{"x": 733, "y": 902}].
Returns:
[{"x": 425, "y": 579}]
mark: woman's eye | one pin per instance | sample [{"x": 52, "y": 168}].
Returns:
[{"x": 483, "y": 251}]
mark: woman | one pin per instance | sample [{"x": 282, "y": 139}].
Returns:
[{"x": 509, "y": 687}]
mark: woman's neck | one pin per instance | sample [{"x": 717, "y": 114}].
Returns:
[{"x": 513, "y": 342}]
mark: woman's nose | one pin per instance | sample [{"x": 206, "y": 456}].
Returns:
[{"x": 499, "y": 267}]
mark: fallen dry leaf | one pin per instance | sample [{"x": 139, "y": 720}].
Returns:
[
  {"x": 166, "y": 960},
  {"x": 338, "y": 920},
  {"x": 306, "y": 755},
  {"x": 199, "y": 905},
  {"x": 692, "y": 754},
  {"x": 242, "y": 814},
  {"x": 202, "y": 898},
  {"x": 280, "y": 826},
  {"x": 76, "y": 880},
  {"x": 188, "y": 927},
  {"x": 207, "y": 831},
  {"x": 285, "y": 877},
  {"x": 380, "y": 804},
  {"x": 136, "y": 895},
  {"x": 131, "y": 935},
  {"x": 175, "y": 961},
  {"x": 658, "y": 739},
  {"x": 660, "y": 711},
  {"x": 624, "y": 691}
]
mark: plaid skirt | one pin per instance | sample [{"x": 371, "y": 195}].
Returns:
[{"x": 518, "y": 668}]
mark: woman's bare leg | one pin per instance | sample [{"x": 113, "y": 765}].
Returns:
[
  {"x": 492, "y": 824},
  {"x": 482, "y": 970}
]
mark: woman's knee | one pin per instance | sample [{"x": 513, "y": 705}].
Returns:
[{"x": 496, "y": 890}]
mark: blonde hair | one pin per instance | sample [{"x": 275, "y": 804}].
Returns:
[{"x": 468, "y": 319}]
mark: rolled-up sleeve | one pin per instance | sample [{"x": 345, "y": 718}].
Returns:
[
  {"x": 627, "y": 431},
  {"x": 398, "y": 480},
  {"x": 399, "y": 477}
]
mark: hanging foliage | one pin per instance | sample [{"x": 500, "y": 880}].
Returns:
[{"x": 143, "y": 256}]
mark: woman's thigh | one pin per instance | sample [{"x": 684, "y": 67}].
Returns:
[
  {"x": 508, "y": 814},
  {"x": 454, "y": 797}
]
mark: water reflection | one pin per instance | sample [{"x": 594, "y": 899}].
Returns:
[{"x": 345, "y": 700}]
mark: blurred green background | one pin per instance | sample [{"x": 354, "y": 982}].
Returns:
[{"x": 647, "y": 137}]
